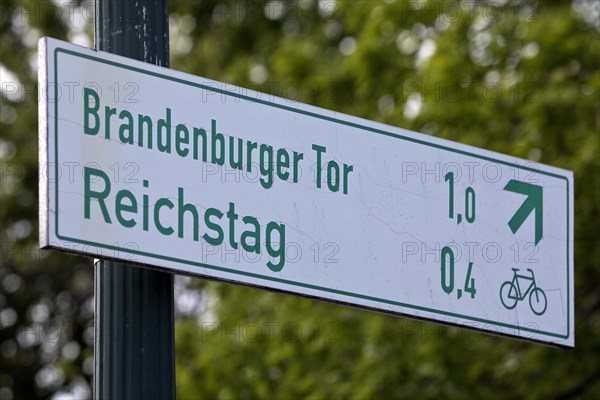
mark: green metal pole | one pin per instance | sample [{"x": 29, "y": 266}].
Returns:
[{"x": 134, "y": 346}]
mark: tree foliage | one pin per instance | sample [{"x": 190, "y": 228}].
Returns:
[{"x": 518, "y": 77}]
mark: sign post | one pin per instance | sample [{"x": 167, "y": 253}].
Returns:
[
  {"x": 209, "y": 179},
  {"x": 134, "y": 314}
]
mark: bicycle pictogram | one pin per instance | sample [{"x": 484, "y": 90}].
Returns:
[{"x": 511, "y": 292}]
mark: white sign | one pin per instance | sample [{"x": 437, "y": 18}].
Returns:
[{"x": 157, "y": 167}]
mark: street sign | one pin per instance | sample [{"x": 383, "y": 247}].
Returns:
[{"x": 156, "y": 167}]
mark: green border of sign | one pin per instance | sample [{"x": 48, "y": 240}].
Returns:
[{"x": 314, "y": 115}]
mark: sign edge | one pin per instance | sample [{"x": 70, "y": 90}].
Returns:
[{"x": 43, "y": 207}]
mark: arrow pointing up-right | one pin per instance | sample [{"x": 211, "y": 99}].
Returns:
[{"x": 534, "y": 201}]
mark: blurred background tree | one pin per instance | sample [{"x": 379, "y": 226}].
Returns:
[{"x": 518, "y": 77}]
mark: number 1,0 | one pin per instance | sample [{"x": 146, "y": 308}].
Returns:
[{"x": 469, "y": 201}]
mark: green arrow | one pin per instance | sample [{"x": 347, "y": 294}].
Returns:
[{"x": 534, "y": 201}]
